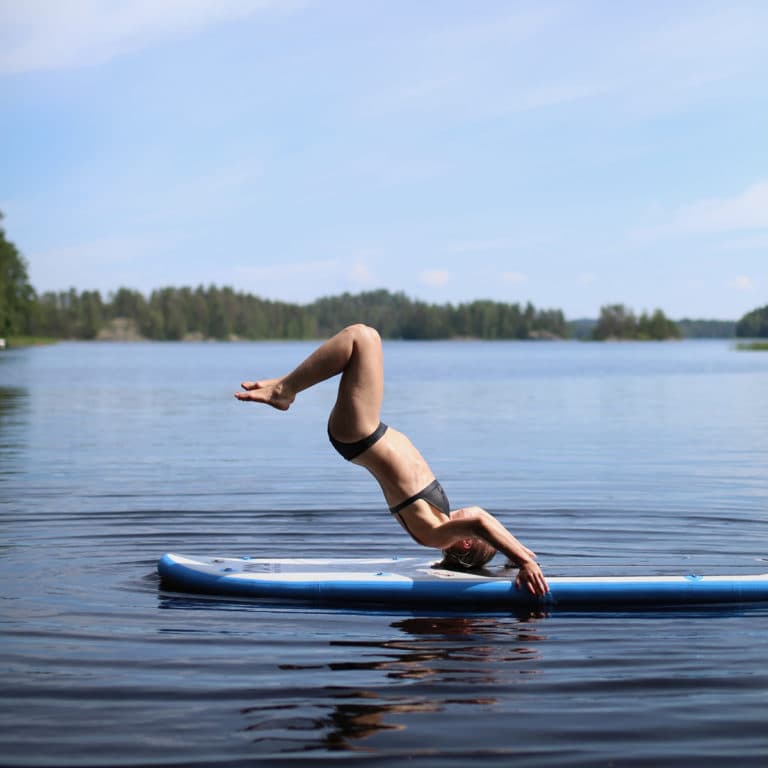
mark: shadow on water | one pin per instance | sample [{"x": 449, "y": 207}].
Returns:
[
  {"x": 417, "y": 668},
  {"x": 195, "y": 602},
  {"x": 425, "y": 666},
  {"x": 12, "y": 401},
  {"x": 180, "y": 601}
]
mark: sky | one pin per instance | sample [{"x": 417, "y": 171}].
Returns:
[{"x": 572, "y": 154}]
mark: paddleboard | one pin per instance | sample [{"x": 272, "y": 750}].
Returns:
[{"x": 411, "y": 582}]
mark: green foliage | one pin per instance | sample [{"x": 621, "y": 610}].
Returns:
[
  {"x": 222, "y": 313},
  {"x": 706, "y": 329},
  {"x": 618, "y": 322},
  {"x": 656, "y": 327},
  {"x": 753, "y": 346},
  {"x": 16, "y": 294},
  {"x": 68, "y": 315},
  {"x": 396, "y": 316},
  {"x": 754, "y": 325},
  {"x": 29, "y": 341}
]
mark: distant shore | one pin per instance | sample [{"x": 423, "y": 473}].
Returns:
[
  {"x": 14, "y": 342},
  {"x": 21, "y": 342},
  {"x": 753, "y": 346}
]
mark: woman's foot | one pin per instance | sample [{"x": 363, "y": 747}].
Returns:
[{"x": 270, "y": 391}]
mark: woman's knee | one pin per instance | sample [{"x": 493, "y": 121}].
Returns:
[{"x": 364, "y": 334}]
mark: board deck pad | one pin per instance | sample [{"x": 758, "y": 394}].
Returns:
[{"x": 412, "y": 582}]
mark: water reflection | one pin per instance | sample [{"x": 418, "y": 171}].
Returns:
[
  {"x": 12, "y": 400},
  {"x": 433, "y": 641},
  {"x": 439, "y": 659}
]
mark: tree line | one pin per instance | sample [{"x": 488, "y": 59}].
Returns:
[
  {"x": 212, "y": 312},
  {"x": 172, "y": 314},
  {"x": 16, "y": 294},
  {"x": 618, "y": 322},
  {"x": 754, "y": 324},
  {"x": 223, "y": 313}
]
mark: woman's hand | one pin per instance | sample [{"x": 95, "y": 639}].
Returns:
[{"x": 531, "y": 577}]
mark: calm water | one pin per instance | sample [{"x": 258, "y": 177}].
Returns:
[{"x": 622, "y": 458}]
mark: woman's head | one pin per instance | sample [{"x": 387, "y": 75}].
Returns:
[{"x": 468, "y": 553}]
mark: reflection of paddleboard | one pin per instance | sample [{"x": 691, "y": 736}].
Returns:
[{"x": 393, "y": 582}]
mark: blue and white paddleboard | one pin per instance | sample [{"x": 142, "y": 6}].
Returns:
[{"x": 411, "y": 582}]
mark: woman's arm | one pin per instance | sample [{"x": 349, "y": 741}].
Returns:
[{"x": 475, "y": 522}]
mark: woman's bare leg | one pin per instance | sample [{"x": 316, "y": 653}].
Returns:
[{"x": 356, "y": 354}]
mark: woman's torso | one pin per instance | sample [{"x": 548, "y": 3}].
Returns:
[{"x": 397, "y": 465}]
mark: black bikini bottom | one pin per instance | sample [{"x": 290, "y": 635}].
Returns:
[{"x": 352, "y": 450}]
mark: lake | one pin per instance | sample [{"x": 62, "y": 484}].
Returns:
[{"x": 627, "y": 458}]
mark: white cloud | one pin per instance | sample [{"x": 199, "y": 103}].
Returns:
[
  {"x": 516, "y": 278},
  {"x": 497, "y": 66},
  {"x": 482, "y": 68},
  {"x": 747, "y": 210},
  {"x": 586, "y": 278},
  {"x": 435, "y": 278},
  {"x": 60, "y": 34},
  {"x": 742, "y": 283},
  {"x": 362, "y": 275}
]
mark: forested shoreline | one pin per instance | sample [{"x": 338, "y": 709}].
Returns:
[
  {"x": 173, "y": 314},
  {"x": 176, "y": 314},
  {"x": 222, "y": 313}
]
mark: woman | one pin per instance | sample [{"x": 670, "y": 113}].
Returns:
[{"x": 468, "y": 537}]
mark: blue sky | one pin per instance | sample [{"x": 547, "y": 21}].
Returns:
[{"x": 571, "y": 154}]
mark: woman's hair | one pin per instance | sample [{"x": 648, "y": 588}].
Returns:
[{"x": 468, "y": 554}]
